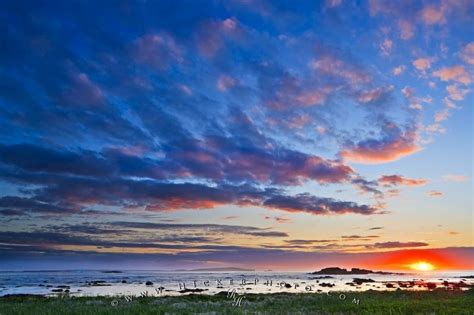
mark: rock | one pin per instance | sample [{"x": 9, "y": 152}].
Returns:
[
  {"x": 389, "y": 285},
  {"x": 124, "y": 281},
  {"x": 431, "y": 285},
  {"x": 97, "y": 283},
  {"x": 327, "y": 285},
  {"x": 148, "y": 283},
  {"x": 359, "y": 281}
]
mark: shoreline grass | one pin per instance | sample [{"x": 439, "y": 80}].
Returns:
[{"x": 370, "y": 302}]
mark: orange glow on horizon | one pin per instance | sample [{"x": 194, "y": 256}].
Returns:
[
  {"x": 420, "y": 260},
  {"x": 422, "y": 266}
]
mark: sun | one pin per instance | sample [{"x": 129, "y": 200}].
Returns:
[{"x": 422, "y": 266}]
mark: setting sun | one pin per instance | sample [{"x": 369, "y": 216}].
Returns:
[{"x": 422, "y": 266}]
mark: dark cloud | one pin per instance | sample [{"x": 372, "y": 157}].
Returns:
[
  {"x": 315, "y": 205},
  {"x": 386, "y": 245}
]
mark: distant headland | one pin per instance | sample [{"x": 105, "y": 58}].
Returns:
[{"x": 353, "y": 271}]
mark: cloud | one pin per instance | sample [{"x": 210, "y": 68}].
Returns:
[
  {"x": 387, "y": 245},
  {"x": 12, "y": 205},
  {"x": 315, "y": 205},
  {"x": 455, "y": 178},
  {"x": 456, "y": 93},
  {"x": 159, "y": 51},
  {"x": 333, "y": 3},
  {"x": 393, "y": 146},
  {"x": 454, "y": 73},
  {"x": 359, "y": 237},
  {"x": 406, "y": 29},
  {"x": 433, "y": 15},
  {"x": 153, "y": 195},
  {"x": 307, "y": 242},
  {"x": 395, "y": 180},
  {"x": 434, "y": 193},
  {"x": 422, "y": 64},
  {"x": 333, "y": 66},
  {"x": 399, "y": 70},
  {"x": 213, "y": 34},
  {"x": 83, "y": 92},
  {"x": 225, "y": 82},
  {"x": 191, "y": 157},
  {"x": 386, "y": 47},
  {"x": 467, "y": 53},
  {"x": 374, "y": 95}
]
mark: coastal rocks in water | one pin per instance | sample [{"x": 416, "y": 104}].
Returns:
[
  {"x": 389, "y": 285},
  {"x": 21, "y": 295},
  {"x": 192, "y": 290},
  {"x": 359, "y": 281},
  {"x": 124, "y": 281},
  {"x": 431, "y": 285},
  {"x": 327, "y": 285},
  {"x": 322, "y": 277},
  {"x": 97, "y": 283},
  {"x": 148, "y": 283},
  {"x": 287, "y": 285}
]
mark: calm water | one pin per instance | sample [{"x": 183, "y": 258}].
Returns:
[{"x": 91, "y": 283}]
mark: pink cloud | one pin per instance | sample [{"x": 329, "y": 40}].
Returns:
[
  {"x": 381, "y": 151},
  {"x": 433, "y": 15},
  {"x": 406, "y": 29},
  {"x": 330, "y": 65},
  {"x": 455, "y": 73},
  {"x": 434, "y": 193},
  {"x": 455, "y": 178},
  {"x": 374, "y": 94},
  {"x": 467, "y": 54},
  {"x": 185, "y": 89},
  {"x": 315, "y": 97},
  {"x": 398, "y": 70},
  {"x": 300, "y": 121},
  {"x": 422, "y": 64},
  {"x": 83, "y": 92},
  {"x": 212, "y": 35},
  {"x": 396, "y": 180},
  {"x": 442, "y": 115},
  {"x": 386, "y": 47},
  {"x": 158, "y": 51},
  {"x": 333, "y": 3},
  {"x": 225, "y": 82},
  {"x": 456, "y": 93}
]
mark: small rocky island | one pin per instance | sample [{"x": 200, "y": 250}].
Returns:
[{"x": 353, "y": 271}]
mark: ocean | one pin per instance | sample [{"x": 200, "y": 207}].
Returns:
[{"x": 160, "y": 283}]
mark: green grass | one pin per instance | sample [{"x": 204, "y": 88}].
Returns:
[{"x": 371, "y": 302}]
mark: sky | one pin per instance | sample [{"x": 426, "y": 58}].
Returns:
[{"x": 257, "y": 134}]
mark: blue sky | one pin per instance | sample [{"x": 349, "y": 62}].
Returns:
[{"x": 235, "y": 127}]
